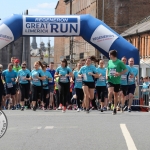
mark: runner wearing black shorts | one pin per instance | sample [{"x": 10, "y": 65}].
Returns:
[
  {"x": 124, "y": 83},
  {"x": 115, "y": 69},
  {"x": 88, "y": 73}
]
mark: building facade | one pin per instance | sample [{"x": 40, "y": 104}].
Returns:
[
  {"x": 139, "y": 36},
  {"x": 118, "y": 14},
  {"x": 19, "y": 49}
]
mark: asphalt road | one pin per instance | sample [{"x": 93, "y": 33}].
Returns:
[{"x": 54, "y": 130}]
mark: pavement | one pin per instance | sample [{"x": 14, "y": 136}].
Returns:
[{"x": 54, "y": 130}]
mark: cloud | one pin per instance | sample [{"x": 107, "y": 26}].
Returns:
[{"x": 43, "y": 9}]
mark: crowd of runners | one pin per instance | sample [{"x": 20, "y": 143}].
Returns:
[{"x": 84, "y": 88}]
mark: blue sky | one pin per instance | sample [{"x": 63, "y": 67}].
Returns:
[{"x": 35, "y": 7}]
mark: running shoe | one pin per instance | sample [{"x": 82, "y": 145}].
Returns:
[
  {"x": 22, "y": 108},
  {"x": 60, "y": 107},
  {"x": 87, "y": 111},
  {"x": 129, "y": 109},
  {"x": 69, "y": 107},
  {"x": 114, "y": 112},
  {"x": 122, "y": 109},
  {"x": 64, "y": 109},
  {"x": 78, "y": 110},
  {"x": 104, "y": 109},
  {"x": 13, "y": 108},
  {"x": 34, "y": 108},
  {"x": 101, "y": 109},
  {"x": 17, "y": 107}
]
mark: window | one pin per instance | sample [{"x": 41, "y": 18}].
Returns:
[
  {"x": 81, "y": 55},
  {"x": 68, "y": 57}
]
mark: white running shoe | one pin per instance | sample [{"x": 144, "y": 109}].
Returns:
[{"x": 78, "y": 110}]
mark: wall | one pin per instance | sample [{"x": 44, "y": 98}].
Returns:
[
  {"x": 122, "y": 14},
  {"x": 59, "y": 41}
]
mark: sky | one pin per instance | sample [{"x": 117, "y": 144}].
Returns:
[{"x": 35, "y": 7}]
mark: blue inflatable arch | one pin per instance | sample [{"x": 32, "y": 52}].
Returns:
[{"x": 94, "y": 31}]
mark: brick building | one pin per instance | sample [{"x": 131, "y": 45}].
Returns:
[
  {"x": 139, "y": 36},
  {"x": 118, "y": 14}
]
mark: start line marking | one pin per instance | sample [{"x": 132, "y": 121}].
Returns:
[{"x": 128, "y": 138}]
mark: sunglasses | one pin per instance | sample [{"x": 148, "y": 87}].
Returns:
[{"x": 23, "y": 67}]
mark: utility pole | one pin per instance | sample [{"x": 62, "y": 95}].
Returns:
[{"x": 71, "y": 40}]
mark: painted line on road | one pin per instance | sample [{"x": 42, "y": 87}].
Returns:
[
  {"x": 128, "y": 138},
  {"x": 49, "y": 127},
  {"x": 37, "y": 128}
]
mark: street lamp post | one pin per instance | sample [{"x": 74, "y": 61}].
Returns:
[
  {"x": 49, "y": 50},
  {"x": 42, "y": 48}
]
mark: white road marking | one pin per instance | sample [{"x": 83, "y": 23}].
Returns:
[
  {"x": 49, "y": 127},
  {"x": 128, "y": 138},
  {"x": 37, "y": 128}
]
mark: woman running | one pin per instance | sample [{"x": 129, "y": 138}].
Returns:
[
  {"x": 101, "y": 83},
  {"x": 37, "y": 76},
  {"x": 24, "y": 84},
  {"x": 88, "y": 73},
  {"x": 78, "y": 86},
  {"x": 64, "y": 73},
  {"x": 48, "y": 77}
]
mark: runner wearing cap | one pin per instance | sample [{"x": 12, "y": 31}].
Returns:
[{"x": 17, "y": 67}]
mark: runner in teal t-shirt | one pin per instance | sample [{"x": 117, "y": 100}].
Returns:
[
  {"x": 24, "y": 84},
  {"x": 88, "y": 73},
  {"x": 78, "y": 85},
  {"x": 64, "y": 73},
  {"x": 48, "y": 77},
  {"x": 124, "y": 83},
  {"x": 9, "y": 76},
  {"x": 101, "y": 84},
  {"x": 131, "y": 82},
  {"x": 37, "y": 77}
]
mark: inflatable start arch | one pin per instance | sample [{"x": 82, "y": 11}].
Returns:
[{"x": 94, "y": 31}]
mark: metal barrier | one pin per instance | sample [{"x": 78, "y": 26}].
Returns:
[{"x": 141, "y": 102}]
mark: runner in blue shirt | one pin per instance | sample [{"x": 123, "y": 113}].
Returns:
[
  {"x": 124, "y": 83},
  {"x": 48, "y": 78},
  {"x": 37, "y": 77},
  {"x": 9, "y": 76},
  {"x": 78, "y": 86},
  {"x": 132, "y": 82},
  {"x": 64, "y": 73},
  {"x": 51, "y": 85},
  {"x": 101, "y": 83},
  {"x": 24, "y": 83},
  {"x": 88, "y": 73}
]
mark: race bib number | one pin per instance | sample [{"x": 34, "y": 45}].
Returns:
[
  {"x": 102, "y": 78},
  {"x": 131, "y": 79},
  {"x": 23, "y": 78},
  {"x": 50, "y": 81},
  {"x": 35, "y": 79},
  {"x": 112, "y": 72},
  {"x": 123, "y": 77},
  {"x": 79, "y": 80},
  {"x": 84, "y": 77},
  {"x": 63, "y": 79},
  {"x": 9, "y": 85}
]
